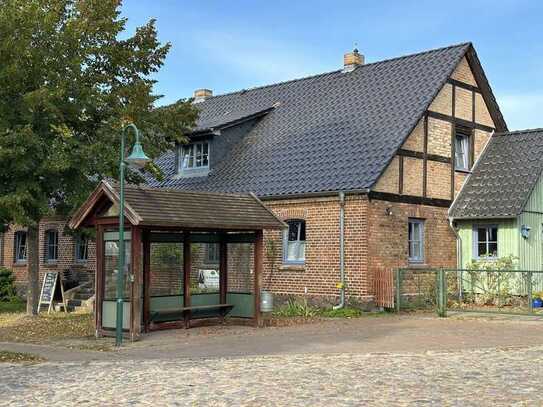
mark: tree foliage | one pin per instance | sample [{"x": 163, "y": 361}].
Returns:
[{"x": 69, "y": 79}]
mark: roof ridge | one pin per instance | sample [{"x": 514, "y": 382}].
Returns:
[
  {"x": 241, "y": 91},
  {"x": 506, "y": 133}
]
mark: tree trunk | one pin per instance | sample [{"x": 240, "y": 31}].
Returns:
[{"x": 33, "y": 272}]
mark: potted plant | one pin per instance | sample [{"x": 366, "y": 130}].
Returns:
[{"x": 537, "y": 302}]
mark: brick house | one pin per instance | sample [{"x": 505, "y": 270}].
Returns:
[
  {"x": 59, "y": 251},
  {"x": 389, "y": 142}
]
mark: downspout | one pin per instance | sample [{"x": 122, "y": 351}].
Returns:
[
  {"x": 459, "y": 263},
  {"x": 458, "y": 244},
  {"x": 341, "y": 284}
]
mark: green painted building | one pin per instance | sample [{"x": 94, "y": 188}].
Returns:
[{"x": 499, "y": 211}]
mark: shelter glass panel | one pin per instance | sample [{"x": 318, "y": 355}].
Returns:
[
  {"x": 111, "y": 258},
  {"x": 240, "y": 279},
  {"x": 204, "y": 276}
]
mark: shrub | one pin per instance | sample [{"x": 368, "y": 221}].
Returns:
[
  {"x": 7, "y": 285},
  {"x": 295, "y": 308}
]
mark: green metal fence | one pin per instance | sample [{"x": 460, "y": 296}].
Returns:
[{"x": 488, "y": 291}]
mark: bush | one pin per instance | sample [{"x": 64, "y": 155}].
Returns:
[
  {"x": 8, "y": 292},
  {"x": 295, "y": 308}
]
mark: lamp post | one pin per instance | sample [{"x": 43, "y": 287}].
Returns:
[{"x": 138, "y": 158}]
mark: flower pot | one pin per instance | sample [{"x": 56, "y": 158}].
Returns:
[{"x": 537, "y": 303}]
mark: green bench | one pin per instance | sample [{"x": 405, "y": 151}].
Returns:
[{"x": 196, "y": 311}]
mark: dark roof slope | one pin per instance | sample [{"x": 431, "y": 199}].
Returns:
[
  {"x": 183, "y": 209},
  {"x": 503, "y": 178},
  {"x": 329, "y": 132}
]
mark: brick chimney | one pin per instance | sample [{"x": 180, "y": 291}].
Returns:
[
  {"x": 352, "y": 60},
  {"x": 202, "y": 94}
]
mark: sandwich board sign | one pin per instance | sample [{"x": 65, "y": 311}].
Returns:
[{"x": 51, "y": 291}]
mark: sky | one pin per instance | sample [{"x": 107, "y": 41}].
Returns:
[{"x": 228, "y": 45}]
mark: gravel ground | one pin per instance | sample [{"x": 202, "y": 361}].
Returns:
[{"x": 500, "y": 376}]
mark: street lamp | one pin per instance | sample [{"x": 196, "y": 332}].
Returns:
[{"x": 139, "y": 159}]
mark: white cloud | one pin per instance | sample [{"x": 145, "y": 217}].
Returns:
[{"x": 522, "y": 110}]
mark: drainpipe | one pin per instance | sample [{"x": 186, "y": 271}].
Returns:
[
  {"x": 459, "y": 263},
  {"x": 341, "y": 284}
]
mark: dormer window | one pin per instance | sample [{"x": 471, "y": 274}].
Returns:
[{"x": 195, "y": 156}]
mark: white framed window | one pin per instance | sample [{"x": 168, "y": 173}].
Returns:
[
  {"x": 485, "y": 242},
  {"x": 51, "y": 245},
  {"x": 20, "y": 246},
  {"x": 195, "y": 156},
  {"x": 294, "y": 242},
  {"x": 462, "y": 151},
  {"x": 415, "y": 238},
  {"x": 81, "y": 249}
]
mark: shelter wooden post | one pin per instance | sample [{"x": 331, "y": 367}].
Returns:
[
  {"x": 99, "y": 279},
  {"x": 146, "y": 279},
  {"x": 135, "y": 303},
  {"x": 187, "y": 265},
  {"x": 223, "y": 270},
  {"x": 258, "y": 267}
]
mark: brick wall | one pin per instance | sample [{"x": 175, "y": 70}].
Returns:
[
  {"x": 388, "y": 245},
  {"x": 319, "y": 275},
  {"x": 66, "y": 252}
]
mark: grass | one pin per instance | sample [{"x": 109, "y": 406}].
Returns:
[
  {"x": 44, "y": 328},
  {"x": 301, "y": 308},
  {"x": 12, "y": 306},
  {"x": 19, "y": 357}
]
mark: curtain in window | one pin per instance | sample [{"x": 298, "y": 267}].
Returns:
[
  {"x": 295, "y": 241},
  {"x": 81, "y": 249},
  {"x": 20, "y": 246},
  {"x": 462, "y": 152},
  {"x": 195, "y": 155},
  {"x": 416, "y": 240}
]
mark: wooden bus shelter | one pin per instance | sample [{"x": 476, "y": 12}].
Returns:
[{"x": 189, "y": 255}]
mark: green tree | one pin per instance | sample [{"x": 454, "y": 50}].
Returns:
[{"x": 70, "y": 78}]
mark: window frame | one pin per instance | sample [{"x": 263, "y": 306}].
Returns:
[
  {"x": 47, "y": 255},
  {"x": 212, "y": 259},
  {"x": 297, "y": 261},
  {"x": 465, "y": 142},
  {"x": 475, "y": 238},
  {"x": 193, "y": 146},
  {"x": 77, "y": 252},
  {"x": 416, "y": 259},
  {"x": 16, "y": 243}
]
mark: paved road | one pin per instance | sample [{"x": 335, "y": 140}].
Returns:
[
  {"x": 409, "y": 360},
  {"x": 462, "y": 378}
]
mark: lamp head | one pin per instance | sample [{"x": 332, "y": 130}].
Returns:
[{"x": 138, "y": 157}]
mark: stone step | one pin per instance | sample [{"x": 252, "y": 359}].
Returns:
[
  {"x": 59, "y": 308},
  {"x": 74, "y": 302}
]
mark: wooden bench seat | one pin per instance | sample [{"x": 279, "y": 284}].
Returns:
[{"x": 183, "y": 313}]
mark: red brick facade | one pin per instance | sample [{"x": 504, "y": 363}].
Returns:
[
  {"x": 320, "y": 274},
  {"x": 66, "y": 252}
]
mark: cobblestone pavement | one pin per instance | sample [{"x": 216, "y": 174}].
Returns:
[{"x": 506, "y": 376}]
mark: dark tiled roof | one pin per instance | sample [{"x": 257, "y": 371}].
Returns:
[
  {"x": 229, "y": 118},
  {"x": 184, "y": 209},
  {"x": 503, "y": 178},
  {"x": 329, "y": 132}
]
